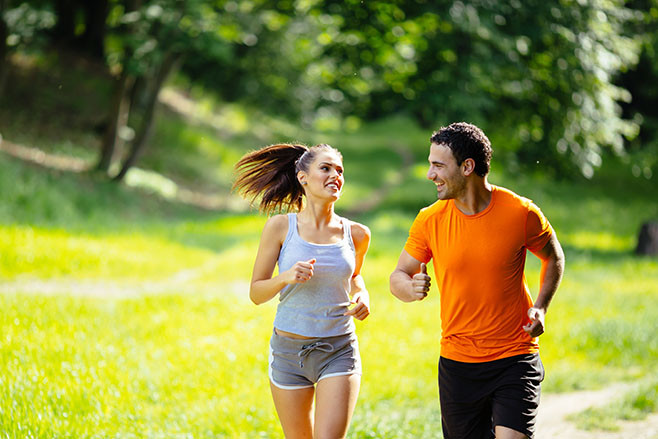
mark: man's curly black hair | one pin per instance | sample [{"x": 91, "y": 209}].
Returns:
[{"x": 466, "y": 141}]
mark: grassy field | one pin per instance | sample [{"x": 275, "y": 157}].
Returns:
[{"x": 185, "y": 357}]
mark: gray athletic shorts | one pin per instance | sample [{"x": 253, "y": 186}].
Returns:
[{"x": 297, "y": 364}]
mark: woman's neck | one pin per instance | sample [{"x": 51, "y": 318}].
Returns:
[{"x": 320, "y": 214}]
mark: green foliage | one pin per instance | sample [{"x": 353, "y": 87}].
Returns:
[
  {"x": 25, "y": 22},
  {"x": 540, "y": 78},
  {"x": 550, "y": 82},
  {"x": 142, "y": 37},
  {"x": 550, "y": 68}
]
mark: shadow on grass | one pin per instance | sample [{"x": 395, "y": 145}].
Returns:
[
  {"x": 574, "y": 253},
  {"x": 46, "y": 197}
]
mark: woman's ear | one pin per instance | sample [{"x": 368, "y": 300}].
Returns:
[{"x": 301, "y": 177}]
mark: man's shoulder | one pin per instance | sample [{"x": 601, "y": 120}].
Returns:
[
  {"x": 508, "y": 197},
  {"x": 439, "y": 207}
]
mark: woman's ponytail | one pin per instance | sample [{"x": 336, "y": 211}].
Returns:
[{"x": 271, "y": 173}]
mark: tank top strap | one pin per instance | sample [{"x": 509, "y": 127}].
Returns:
[
  {"x": 293, "y": 232},
  {"x": 292, "y": 221},
  {"x": 292, "y": 228},
  {"x": 347, "y": 232}
]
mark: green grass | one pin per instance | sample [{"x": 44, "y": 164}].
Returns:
[
  {"x": 194, "y": 362},
  {"x": 634, "y": 406},
  {"x": 145, "y": 367},
  {"x": 191, "y": 360}
]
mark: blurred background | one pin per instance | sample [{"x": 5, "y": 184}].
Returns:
[{"x": 125, "y": 258}]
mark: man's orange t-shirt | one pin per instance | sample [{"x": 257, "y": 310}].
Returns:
[{"x": 479, "y": 265}]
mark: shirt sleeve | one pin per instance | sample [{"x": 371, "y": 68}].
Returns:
[
  {"x": 538, "y": 229},
  {"x": 417, "y": 245}
]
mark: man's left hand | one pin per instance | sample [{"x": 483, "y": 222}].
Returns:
[{"x": 536, "y": 326}]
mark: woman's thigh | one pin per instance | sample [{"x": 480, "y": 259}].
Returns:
[
  {"x": 295, "y": 410},
  {"x": 334, "y": 404}
]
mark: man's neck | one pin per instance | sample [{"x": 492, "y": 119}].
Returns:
[{"x": 476, "y": 198}]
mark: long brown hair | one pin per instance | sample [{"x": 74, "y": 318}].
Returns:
[{"x": 271, "y": 173}]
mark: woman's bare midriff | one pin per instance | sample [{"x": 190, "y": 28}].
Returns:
[{"x": 291, "y": 335}]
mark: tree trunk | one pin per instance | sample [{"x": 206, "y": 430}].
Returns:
[
  {"x": 64, "y": 31},
  {"x": 647, "y": 241},
  {"x": 93, "y": 40},
  {"x": 171, "y": 60},
  {"x": 139, "y": 94},
  {"x": 4, "y": 61},
  {"x": 120, "y": 105},
  {"x": 118, "y": 118}
]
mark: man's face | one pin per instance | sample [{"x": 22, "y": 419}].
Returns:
[{"x": 445, "y": 172}]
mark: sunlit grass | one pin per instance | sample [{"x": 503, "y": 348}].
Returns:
[
  {"x": 195, "y": 363},
  {"x": 148, "y": 366},
  {"x": 192, "y": 361},
  {"x": 634, "y": 406},
  {"x": 42, "y": 253},
  {"x": 156, "y": 252},
  {"x": 598, "y": 241}
]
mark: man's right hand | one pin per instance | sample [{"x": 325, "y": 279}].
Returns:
[{"x": 421, "y": 283}]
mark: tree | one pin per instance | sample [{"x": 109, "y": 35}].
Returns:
[
  {"x": 642, "y": 82},
  {"x": 4, "y": 33},
  {"x": 91, "y": 15},
  {"x": 164, "y": 68},
  {"x": 154, "y": 37},
  {"x": 120, "y": 102},
  {"x": 541, "y": 78},
  {"x": 538, "y": 76},
  {"x": 20, "y": 25}
]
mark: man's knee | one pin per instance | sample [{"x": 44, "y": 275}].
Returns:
[{"x": 508, "y": 433}]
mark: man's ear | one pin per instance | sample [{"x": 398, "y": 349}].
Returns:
[{"x": 468, "y": 167}]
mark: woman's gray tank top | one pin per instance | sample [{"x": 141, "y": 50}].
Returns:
[{"x": 315, "y": 308}]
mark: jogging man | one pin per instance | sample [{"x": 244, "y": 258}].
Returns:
[{"x": 477, "y": 235}]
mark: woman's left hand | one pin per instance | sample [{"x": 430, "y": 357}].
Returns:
[{"x": 361, "y": 310}]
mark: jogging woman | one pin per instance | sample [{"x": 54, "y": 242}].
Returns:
[{"x": 314, "y": 352}]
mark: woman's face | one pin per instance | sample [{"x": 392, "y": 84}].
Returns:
[{"x": 324, "y": 178}]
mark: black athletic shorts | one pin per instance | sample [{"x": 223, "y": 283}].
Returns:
[{"x": 475, "y": 397}]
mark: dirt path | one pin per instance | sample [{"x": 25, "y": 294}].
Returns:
[
  {"x": 554, "y": 409},
  {"x": 31, "y": 154},
  {"x": 118, "y": 290},
  {"x": 180, "y": 282},
  {"x": 188, "y": 108}
]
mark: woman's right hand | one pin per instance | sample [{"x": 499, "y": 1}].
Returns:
[{"x": 300, "y": 272}]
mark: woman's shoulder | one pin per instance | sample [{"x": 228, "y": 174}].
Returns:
[
  {"x": 276, "y": 226},
  {"x": 360, "y": 233},
  {"x": 277, "y": 220}
]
